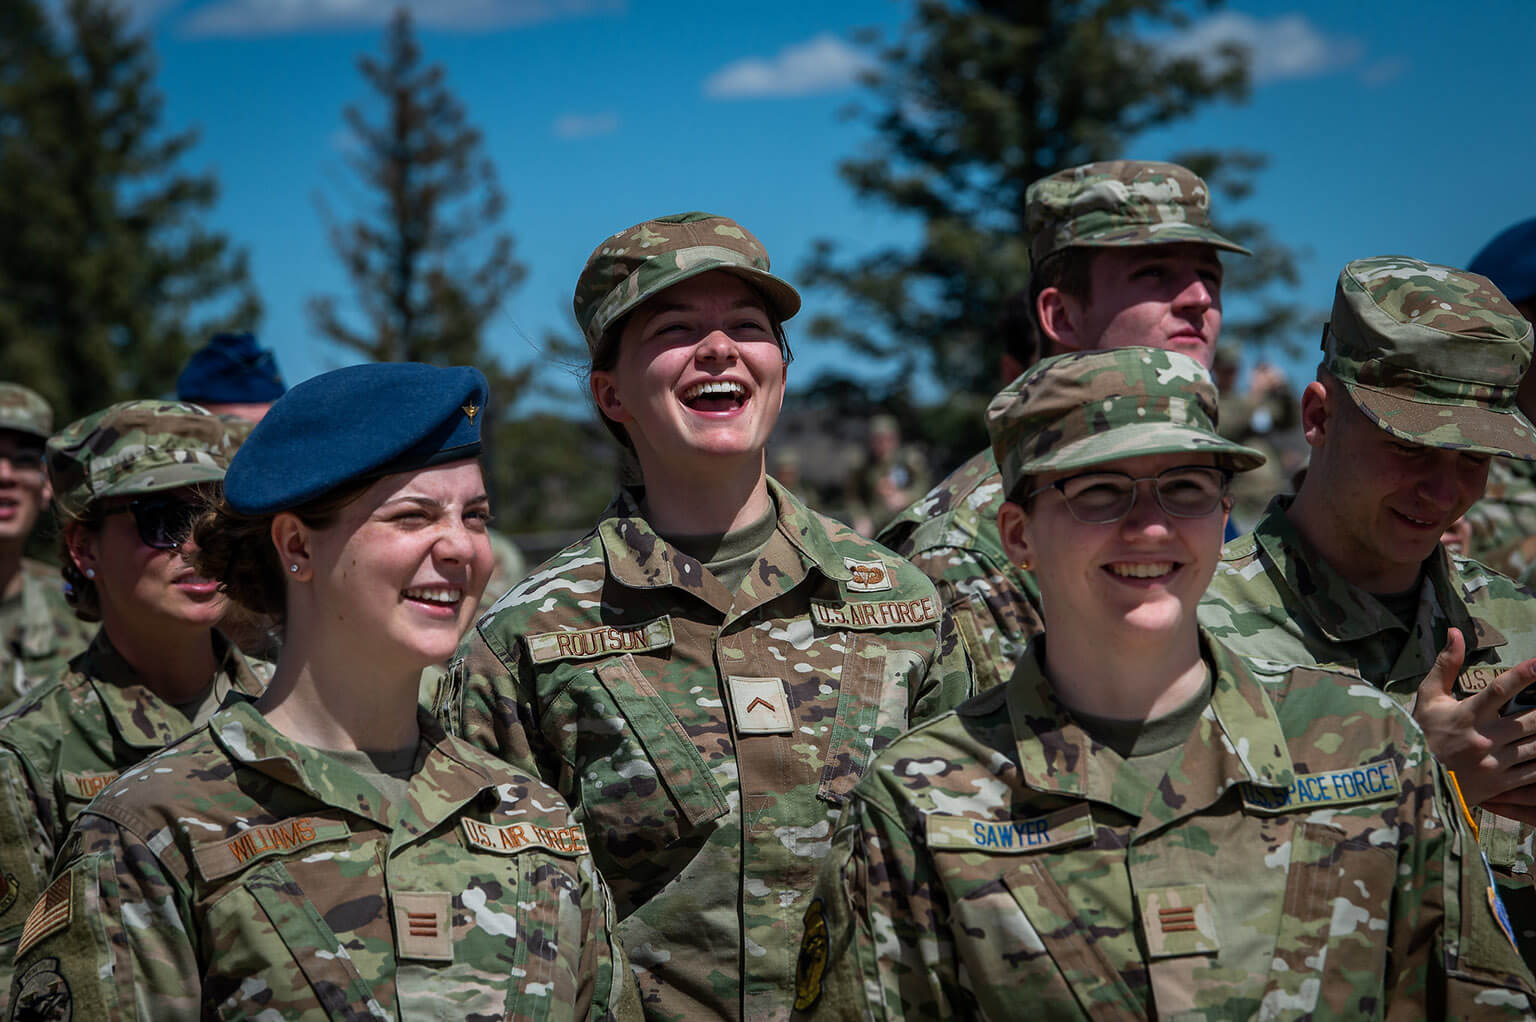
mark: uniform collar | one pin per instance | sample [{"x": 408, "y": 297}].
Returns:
[
  {"x": 1238, "y": 739},
  {"x": 447, "y": 774},
  {"x": 638, "y": 557},
  {"x": 1346, "y": 613},
  {"x": 141, "y": 718}
]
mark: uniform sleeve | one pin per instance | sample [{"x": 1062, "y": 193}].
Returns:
[
  {"x": 1451, "y": 955},
  {"x": 488, "y": 700},
  {"x": 607, "y": 991},
  {"x": 876, "y": 941},
  {"x": 994, "y": 615},
  {"x": 26, "y": 855},
  {"x": 109, "y": 938},
  {"x": 947, "y": 682}
]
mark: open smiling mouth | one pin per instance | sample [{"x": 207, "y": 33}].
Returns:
[
  {"x": 1139, "y": 570},
  {"x": 437, "y": 596},
  {"x": 715, "y": 396}
]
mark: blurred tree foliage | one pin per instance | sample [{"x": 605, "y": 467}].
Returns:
[
  {"x": 428, "y": 266},
  {"x": 107, "y": 277},
  {"x": 972, "y": 103}
]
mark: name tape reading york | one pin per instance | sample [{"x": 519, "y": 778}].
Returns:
[
  {"x": 1010, "y": 837},
  {"x": 88, "y": 785},
  {"x": 587, "y": 643},
  {"x": 220, "y": 858},
  {"x": 1334, "y": 787},
  {"x": 512, "y": 838},
  {"x": 875, "y": 613}
]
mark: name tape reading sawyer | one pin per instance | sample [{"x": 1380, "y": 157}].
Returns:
[
  {"x": 875, "y": 613},
  {"x": 221, "y": 858},
  {"x": 509, "y": 839},
  {"x": 1366, "y": 783},
  {"x": 587, "y": 643},
  {"x": 1010, "y": 837}
]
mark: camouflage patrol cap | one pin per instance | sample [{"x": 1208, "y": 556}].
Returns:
[
  {"x": 639, "y": 263},
  {"x": 1119, "y": 202},
  {"x": 1431, "y": 354},
  {"x": 1084, "y": 408},
  {"x": 24, "y": 410},
  {"x": 135, "y": 447}
]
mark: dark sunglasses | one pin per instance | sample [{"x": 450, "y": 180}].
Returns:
[{"x": 164, "y": 523}]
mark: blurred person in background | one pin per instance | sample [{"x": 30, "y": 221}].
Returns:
[
  {"x": 38, "y": 631},
  {"x": 326, "y": 850},
  {"x": 1121, "y": 253},
  {"x": 127, "y": 482},
  {"x": 890, "y": 476},
  {"x": 232, "y": 375},
  {"x": 706, "y": 673}
]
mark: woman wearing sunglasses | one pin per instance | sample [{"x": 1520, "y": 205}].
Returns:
[
  {"x": 1139, "y": 824},
  {"x": 326, "y": 851},
  {"x": 127, "y": 482}
]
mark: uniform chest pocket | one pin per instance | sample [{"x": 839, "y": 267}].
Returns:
[
  {"x": 1336, "y": 912},
  {"x": 872, "y": 709}
]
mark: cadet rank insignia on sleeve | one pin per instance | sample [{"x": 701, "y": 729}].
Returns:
[
  {"x": 812, "y": 962},
  {"x": 589, "y": 643},
  {"x": 1070, "y": 826}
]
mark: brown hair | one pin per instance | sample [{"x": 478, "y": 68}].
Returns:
[
  {"x": 1070, "y": 271},
  {"x": 237, "y": 548},
  {"x": 79, "y": 591}
]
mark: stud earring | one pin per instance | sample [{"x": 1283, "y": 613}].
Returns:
[
  {"x": 90, "y": 572},
  {"x": 1027, "y": 565},
  {"x": 293, "y": 568}
]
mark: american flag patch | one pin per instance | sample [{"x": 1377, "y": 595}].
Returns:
[{"x": 51, "y": 914}]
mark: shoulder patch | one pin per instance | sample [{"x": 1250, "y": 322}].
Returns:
[
  {"x": 870, "y": 614},
  {"x": 509, "y": 839},
  {"x": 221, "y": 858},
  {"x": 812, "y": 962},
  {"x": 1369, "y": 782},
  {"x": 87, "y": 785},
  {"x": 588, "y": 643},
  {"x": 868, "y": 576},
  {"x": 43, "y": 992},
  {"x": 1069, "y": 826},
  {"x": 51, "y": 914}
]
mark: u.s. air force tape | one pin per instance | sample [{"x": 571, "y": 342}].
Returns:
[
  {"x": 1368, "y": 782},
  {"x": 509, "y": 839},
  {"x": 589, "y": 643},
  {"x": 863, "y": 614}
]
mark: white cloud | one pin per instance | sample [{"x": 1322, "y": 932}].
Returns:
[
  {"x": 1286, "y": 46},
  {"x": 824, "y": 63},
  {"x": 275, "y": 17},
  {"x": 586, "y": 125}
]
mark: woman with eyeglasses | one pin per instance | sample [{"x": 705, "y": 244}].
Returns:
[
  {"x": 326, "y": 850},
  {"x": 127, "y": 482},
  {"x": 1139, "y": 824}
]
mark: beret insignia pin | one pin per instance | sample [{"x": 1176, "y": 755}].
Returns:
[{"x": 471, "y": 411}]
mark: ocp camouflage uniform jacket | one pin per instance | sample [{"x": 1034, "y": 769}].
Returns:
[
  {"x": 241, "y": 875},
  {"x": 1274, "y": 597},
  {"x": 1297, "y": 860},
  {"x": 705, "y": 744},
  {"x": 1503, "y": 521},
  {"x": 951, "y": 535},
  {"x": 64, "y": 742},
  {"x": 40, "y": 634}
]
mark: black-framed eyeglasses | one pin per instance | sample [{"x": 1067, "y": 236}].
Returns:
[
  {"x": 1185, "y": 491},
  {"x": 164, "y": 523}
]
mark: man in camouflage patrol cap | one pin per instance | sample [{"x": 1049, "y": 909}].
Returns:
[
  {"x": 1415, "y": 393},
  {"x": 38, "y": 631},
  {"x": 112, "y": 706},
  {"x": 1122, "y": 253},
  {"x": 1139, "y": 823},
  {"x": 706, "y": 673}
]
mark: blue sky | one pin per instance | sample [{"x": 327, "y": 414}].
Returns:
[{"x": 1391, "y": 127}]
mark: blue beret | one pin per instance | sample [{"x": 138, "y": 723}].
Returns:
[
  {"x": 231, "y": 369},
  {"x": 1509, "y": 260},
  {"x": 355, "y": 424}
]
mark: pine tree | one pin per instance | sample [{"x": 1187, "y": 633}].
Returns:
[
  {"x": 974, "y": 102},
  {"x": 108, "y": 278}
]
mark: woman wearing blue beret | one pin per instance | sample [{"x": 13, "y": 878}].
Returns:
[
  {"x": 706, "y": 673},
  {"x": 327, "y": 851}
]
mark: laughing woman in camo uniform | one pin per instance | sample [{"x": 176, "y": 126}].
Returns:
[{"x": 706, "y": 673}]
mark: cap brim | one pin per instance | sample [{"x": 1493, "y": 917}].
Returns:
[
  {"x": 784, "y": 298},
  {"x": 1455, "y": 427},
  {"x": 167, "y": 477},
  {"x": 19, "y": 427},
  {"x": 1159, "y": 234},
  {"x": 1138, "y": 440}
]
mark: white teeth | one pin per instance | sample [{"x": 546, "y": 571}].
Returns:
[
  {"x": 434, "y": 595},
  {"x": 1128, "y": 569},
  {"x": 1416, "y": 521},
  {"x": 716, "y": 387}
]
